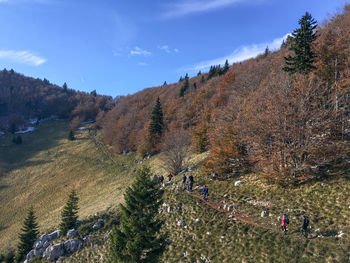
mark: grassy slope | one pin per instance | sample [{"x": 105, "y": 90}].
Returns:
[
  {"x": 43, "y": 170},
  {"x": 210, "y": 235}
]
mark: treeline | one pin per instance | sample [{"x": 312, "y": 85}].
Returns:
[
  {"x": 23, "y": 98},
  {"x": 284, "y": 113}
]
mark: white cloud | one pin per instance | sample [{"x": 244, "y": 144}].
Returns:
[
  {"x": 22, "y": 57},
  {"x": 165, "y": 48},
  {"x": 238, "y": 55},
  {"x": 185, "y": 7},
  {"x": 139, "y": 52},
  {"x": 176, "y": 50}
]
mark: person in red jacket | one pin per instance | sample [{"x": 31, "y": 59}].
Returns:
[{"x": 284, "y": 223}]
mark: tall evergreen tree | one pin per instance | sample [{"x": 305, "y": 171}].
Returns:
[
  {"x": 71, "y": 135},
  {"x": 156, "y": 125},
  {"x": 185, "y": 86},
  {"x": 226, "y": 67},
  {"x": 139, "y": 240},
  {"x": 301, "y": 44},
  {"x": 29, "y": 234},
  {"x": 70, "y": 213}
]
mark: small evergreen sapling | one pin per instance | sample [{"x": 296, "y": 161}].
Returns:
[
  {"x": 29, "y": 233},
  {"x": 70, "y": 213}
]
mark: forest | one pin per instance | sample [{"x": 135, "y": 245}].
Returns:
[
  {"x": 24, "y": 98},
  {"x": 289, "y": 123}
]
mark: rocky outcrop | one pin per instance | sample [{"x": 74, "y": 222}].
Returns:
[{"x": 72, "y": 233}]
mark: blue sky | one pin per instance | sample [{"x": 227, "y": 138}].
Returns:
[{"x": 121, "y": 47}]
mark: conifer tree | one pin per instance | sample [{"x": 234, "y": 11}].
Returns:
[
  {"x": 138, "y": 239},
  {"x": 267, "y": 51},
  {"x": 226, "y": 67},
  {"x": 156, "y": 125},
  {"x": 199, "y": 73},
  {"x": 29, "y": 234},
  {"x": 184, "y": 87},
  {"x": 71, "y": 135},
  {"x": 70, "y": 213},
  {"x": 65, "y": 87},
  {"x": 301, "y": 44}
]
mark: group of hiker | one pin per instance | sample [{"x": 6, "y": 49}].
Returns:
[
  {"x": 304, "y": 226},
  {"x": 188, "y": 185}
]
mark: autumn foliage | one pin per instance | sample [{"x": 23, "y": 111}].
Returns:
[{"x": 254, "y": 115}]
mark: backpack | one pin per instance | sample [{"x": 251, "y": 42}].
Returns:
[{"x": 286, "y": 220}]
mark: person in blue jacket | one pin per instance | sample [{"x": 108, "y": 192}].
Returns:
[{"x": 205, "y": 193}]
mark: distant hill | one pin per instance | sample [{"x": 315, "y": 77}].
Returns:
[{"x": 23, "y": 98}]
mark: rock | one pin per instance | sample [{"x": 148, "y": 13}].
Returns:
[
  {"x": 54, "y": 235},
  {"x": 264, "y": 213},
  {"x": 237, "y": 183},
  {"x": 30, "y": 255},
  {"x": 46, "y": 244},
  {"x": 101, "y": 221},
  {"x": 196, "y": 220},
  {"x": 169, "y": 209},
  {"x": 208, "y": 233},
  {"x": 38, "y": 244},
  {"x": 180, "y": 222},
  {"x": 39, "y": 252},
  {"x": 222, "y": 237},
  {"x": 169, "y": 241},
  {"x": 54, "y": 252},
  {"x": 168, "y": 183},
  {"x": 44, "y": 238},
  {"x": 225, "y": 206},
  {"x": 96, "y": 226},
  {"x": 72, "y": 245},
  {"x": 72, "y": 233},
  {"x": 230, "y": 208},
  {"x": 61, "y": 259},
  {"x": 248, "y": 199}
]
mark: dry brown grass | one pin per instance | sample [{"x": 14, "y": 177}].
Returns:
[{"x": 42, "y": 172}]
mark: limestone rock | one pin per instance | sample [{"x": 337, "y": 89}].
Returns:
[
  {"x": 180, "y": 222},
  {"x": 264, "y": 213},
  {"x": 237, "y": 183},
  {"x": 72, "y": 233},
  {"x": 72, "y": 245},
  {"x": 54, "y": 252},
  {"x": 54, "y": 235}
]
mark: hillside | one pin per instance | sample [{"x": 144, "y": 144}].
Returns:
[
  {"x": 281, "y": 124},
  {"x": 44, "y": 169},
  {"x": 24, "y": 98}
]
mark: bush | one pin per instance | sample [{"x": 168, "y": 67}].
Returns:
[{"x": 17, "y": 139}]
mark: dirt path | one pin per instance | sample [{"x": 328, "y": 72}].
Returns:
[{"x": 233, "y": 214}]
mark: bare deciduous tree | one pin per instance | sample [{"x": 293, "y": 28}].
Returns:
[{"x": 175, "y": 150}]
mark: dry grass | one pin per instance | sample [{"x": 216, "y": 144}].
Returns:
[{"x": 42, "y": 171}]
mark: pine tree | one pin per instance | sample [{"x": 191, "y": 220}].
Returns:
[
  {"x": 71, "y": 135},
  {"x": 301, "y": 44},
  {"x": 199, "y": 73},
  {"x": 184, "y": 87},
  {"x": 29, "y": 234},
  {"x": 65, "y": 87},
  {"x": 156, "y": 125},
  {"x": 226, "y": 67},
  {"x": 70, "y": 213},
  {"x": 139, "y": 238},
  {"x": 267, "y": 51}
]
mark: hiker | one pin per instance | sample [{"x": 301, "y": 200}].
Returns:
[
  {"x": 205, "y": 193},
  {"x": 284, "y": 223},
  {"x": 184, "y": 178},
  {"x": 190, "y": 183},
  {"x": 161, "y": 179},
  {"x": 155, "y": 178},
  {"x": 305, "y": 225},
  {"x": 170, "y": 176}
]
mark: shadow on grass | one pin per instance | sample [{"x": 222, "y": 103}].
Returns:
[{"x": 45, "y": 137}]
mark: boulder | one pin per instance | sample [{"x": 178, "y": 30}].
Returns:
[
  {"x": 54, "y": 252},
  {"x": 30, "y": 255},
  {"x": 72, "y": 245},
  {"x": 54, "y": 235},
  {"x": 46, "y": 244},
  {"x": 230, "y": 208},
  {"x": 264, "y": 213},
  {"x": 168, "y": 183},
  {"x": 72, "y": 233},
  {"x": 39, "y": 252},
  {"x": 61, "y": 259},
  {"x": 237, "y": 183},
  {"x": 44, "y": 238},
  {"x": 101, "y": 221}
]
